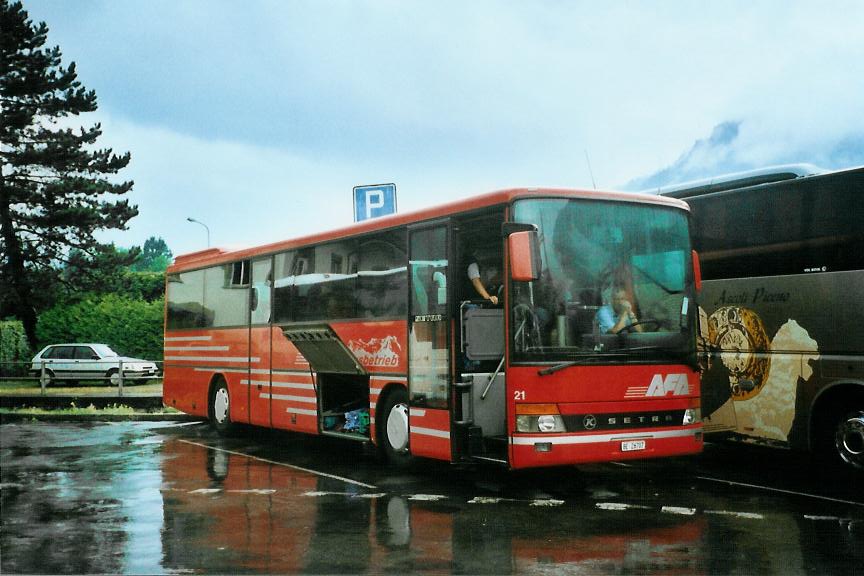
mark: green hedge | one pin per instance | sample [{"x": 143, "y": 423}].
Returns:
[
  {"x": 13, "y": 349},
  {"x": 131, "y": 327}
]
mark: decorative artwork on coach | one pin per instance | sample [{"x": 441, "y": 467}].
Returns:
[{"x": 759, "y": 363}]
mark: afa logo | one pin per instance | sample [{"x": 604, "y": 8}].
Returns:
[
  {"x": 377, "y": 352},
  {"x": 675, "y": 384}
]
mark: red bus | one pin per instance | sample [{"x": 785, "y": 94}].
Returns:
[{"x": 375, "y": 332}]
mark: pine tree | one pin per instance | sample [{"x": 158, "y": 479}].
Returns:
[
  {"x": 155, "y": 256},
  {"x": 55, "y": 186}
]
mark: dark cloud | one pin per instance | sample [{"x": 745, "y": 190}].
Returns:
[{"x": 724, "y": 152}]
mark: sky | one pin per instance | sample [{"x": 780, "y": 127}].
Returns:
[{"x": 259, "y": 117}]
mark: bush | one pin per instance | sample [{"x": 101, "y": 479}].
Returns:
[
  {"x": 131, "y": 327},
  {"x": 14, "y": 351}
]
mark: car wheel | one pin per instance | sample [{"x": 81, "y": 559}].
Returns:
[
  {"x": 113, "y": 377},
  {"x": 46, "y": 379},
  {"x": 849, "y": 439},
  {"x": 393, "y": 431},
  {"x": 220, "y": 408}
]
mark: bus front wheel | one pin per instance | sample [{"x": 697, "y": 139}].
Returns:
[
  {"x": 849, "y": 439},
  {"x": 220, "y": 408},
  {"x": 393, "y": 431}
]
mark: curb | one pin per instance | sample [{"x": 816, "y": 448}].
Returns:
[
  {"x": 135, "y": 417},
  {"x": 54, "y": 402}
]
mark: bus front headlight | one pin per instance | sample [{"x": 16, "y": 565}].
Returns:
[
  {"x": 692, "y": 416},
  {"x": 540, "y": 423}
]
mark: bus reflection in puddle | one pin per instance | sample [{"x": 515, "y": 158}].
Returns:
[{"x": 227, "y": 512}]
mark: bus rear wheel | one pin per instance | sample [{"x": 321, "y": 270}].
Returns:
[
  {"x": 393, "y": 431},
  {"x": 849, "y": 439},
  {"x": 220, "y": 408}
]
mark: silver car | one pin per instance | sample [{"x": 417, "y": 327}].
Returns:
[{"x": 87, "y": 362}]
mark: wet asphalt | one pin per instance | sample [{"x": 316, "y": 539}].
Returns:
[{"x": 168, "y": 497}]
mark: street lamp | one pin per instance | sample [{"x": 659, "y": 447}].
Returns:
[{"x": 205, "y": 227}]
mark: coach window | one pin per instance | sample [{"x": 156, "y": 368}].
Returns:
[
  {"x": 382, "y": 276},
  {"x": 325, "y": 290},
  {"x": 285, "y": 266},
  {"x": 226, "y": 293},
  {"x": 186, "y": 301},
  {"x": 262, "y": 282}
]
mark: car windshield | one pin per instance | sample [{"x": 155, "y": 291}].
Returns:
[
  {"x": 104, "y": 351},
  {"x": 615, "y": 284}
]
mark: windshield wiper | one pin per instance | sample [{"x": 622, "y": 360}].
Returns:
[
  {"x": 584, "y": 360},
  {"x": 596, "y": 358}
]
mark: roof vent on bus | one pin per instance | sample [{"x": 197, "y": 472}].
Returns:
[
  {"x": 200, "y": 255},
  {"x": 735, "y": 180}
]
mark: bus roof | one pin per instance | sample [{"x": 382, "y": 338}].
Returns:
[
  {"x": 213, "y": 256},
  {"x": 736, "y": 180}
]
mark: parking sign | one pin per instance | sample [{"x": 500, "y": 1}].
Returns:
[{"x": 374, "y": 201}]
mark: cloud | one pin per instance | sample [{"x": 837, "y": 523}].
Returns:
[
  {"x": 731, "y": 148},
  {"x": 288, "y": 105}
]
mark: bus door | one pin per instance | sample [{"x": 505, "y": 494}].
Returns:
[
  {"x": 429, "y": 342},
  {"x": 259, "y": 380}
]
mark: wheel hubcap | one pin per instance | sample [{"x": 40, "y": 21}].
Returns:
[
  {"x": 850, "y": 439},
  {"x": 397, "y": 428},
  {"x": 220, "y": 405}
]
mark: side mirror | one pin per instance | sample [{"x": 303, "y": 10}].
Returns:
[
  {"x": 697, "y": 271},
  {"x": 525, "y": 263}
]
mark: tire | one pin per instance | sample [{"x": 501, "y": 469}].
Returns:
[
  {"x": 113, "y": 377},
  {"x": 393, "y": 432},
  {"x": 219, "y": 408},
  {"x": 849, "y": 439},
  {"x": 48, "y": 379}
]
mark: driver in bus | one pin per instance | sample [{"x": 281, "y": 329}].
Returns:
[
  {"x": 488, "y": 277},
  {"x": 612, "y": 319}
]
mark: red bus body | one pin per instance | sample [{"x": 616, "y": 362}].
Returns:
[{"x": 599, "y": 407}]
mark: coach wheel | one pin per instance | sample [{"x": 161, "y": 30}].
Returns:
[
  {"x": 393, "y": 432},
  {"x": 220, "y": 408},
  {"x": 849, "y": 439}
]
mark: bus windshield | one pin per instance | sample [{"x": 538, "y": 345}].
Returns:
[{"x": 615, "y": 284}]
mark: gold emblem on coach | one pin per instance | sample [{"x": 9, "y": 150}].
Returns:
[{"x": 739, "y": 337}]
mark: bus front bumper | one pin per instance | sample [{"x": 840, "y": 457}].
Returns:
[{"x": 537, "y": 450}]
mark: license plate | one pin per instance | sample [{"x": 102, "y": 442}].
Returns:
[{"x": 631, "y": 445}]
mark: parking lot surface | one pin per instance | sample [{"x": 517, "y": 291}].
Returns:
[{"x": 162, "y": 497}]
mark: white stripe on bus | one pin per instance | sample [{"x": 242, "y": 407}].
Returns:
[
  {"x": 188, "y": 338},
  {"x": 196, "y": 348},
  {"x": 304, "y": 399},
  {"x": 602, "y": 438},
  {"x": 214, "y": 358},
  {"x": 430, "y": 432},
  {"x": 295, "y": 385}
]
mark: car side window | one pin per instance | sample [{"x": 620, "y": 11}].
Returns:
[
  {"x": 67, "y": 353},
  {"x": 85, "y": 353},
  {"x": 49, "y": 353}
]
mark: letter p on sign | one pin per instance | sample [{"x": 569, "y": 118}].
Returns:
[{"x": 374, "y": 201}]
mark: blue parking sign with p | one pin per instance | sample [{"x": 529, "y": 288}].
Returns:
[{"x": 374, "y": 201}]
